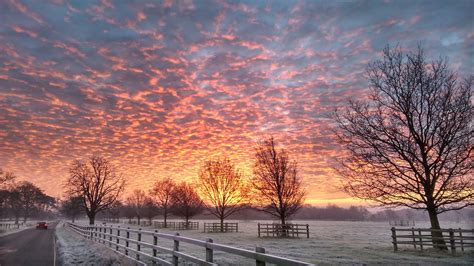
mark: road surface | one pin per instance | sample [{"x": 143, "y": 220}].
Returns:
[{"x": 28, "y": 247}]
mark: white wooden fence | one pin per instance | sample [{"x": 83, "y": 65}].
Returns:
[
  {"x": 9, "y": 226},
  {"x": 119, "y": 239}
]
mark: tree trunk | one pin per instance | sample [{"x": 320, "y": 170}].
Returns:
[
  {"x": 73, "y": 218},
  {"x": 138, "y": 218},
  {"x": 284, "y": 231},
  {"x": 438, "y": 240},
  {"x": 91, "y": 218},
  {"x": 165, "y": 214},
  {"x": 222, "y": 224}
]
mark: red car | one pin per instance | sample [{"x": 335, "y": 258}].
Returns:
[{"x": 41, "y": 225}]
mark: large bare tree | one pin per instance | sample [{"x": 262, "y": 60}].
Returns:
[
  {"x": 161, "y": 193},
  {"x": 223, "y": 187},
  {"x": 97, "y": 182},
  {"x": 411, "y": 143},
  {"x": 186, "y": 202},
  {"x": 280, "y": 189}
]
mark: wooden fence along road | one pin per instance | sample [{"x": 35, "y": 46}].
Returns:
[
  {"x": 9, "y": 226},
  {"x": 454, "y": 238},
  {"x": 120, "y": 240}
]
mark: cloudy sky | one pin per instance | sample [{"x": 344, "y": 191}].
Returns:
[{"x": 160, "y": 86}]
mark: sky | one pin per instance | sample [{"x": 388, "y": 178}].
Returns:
[{"x": 158, "y": 87}]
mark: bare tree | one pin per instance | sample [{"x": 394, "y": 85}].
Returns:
[
  {"x": 97, "y": 183},
  {"x": 186, "y": 202},
  {"x": 7, "y": 179},
  {"x": 161, "y": 194},
  {"x": 137, "y": 202},
  {"x": 276, "y": 181},
  {"x": 25, "y": 199},
  {"x": 223, "y": 187},
  {"x": 150, "y": 209},
  {"x": 72, "y": 207},
  {"x": 113, "y": 213},
  {"x": 411, "y": 143}
]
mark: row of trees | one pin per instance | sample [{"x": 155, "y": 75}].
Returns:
[
  {"x": 221, "y": 188},
  {"x": 22, "y": 199},
  {"x": 410, "y": 144}
]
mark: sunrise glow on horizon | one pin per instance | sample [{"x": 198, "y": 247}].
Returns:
[{"x": 159, "y": 87}]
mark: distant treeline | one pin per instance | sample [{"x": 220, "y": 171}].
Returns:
[{"x": 354, "y": 213}]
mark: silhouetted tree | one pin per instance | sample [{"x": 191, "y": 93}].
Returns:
[
  {"x": 276, "y": 180},
  {"x": 6, "y": 182},
  {"x": 411, "y": 143},
  {"x": 161, "y": 195},
  {"x": 186, "y": 202},
  {"x": 150, "y": 209},
  {"x": 224, "y": 188},
  {"x": 137, "y": 201},
  {"x": 25, "y": 199},
  {"x": 114, "y": 211},
  {"x": 6, "y": 179},
  {"x": 72, "y": 207},
  {"x": 97, "y": 183}
]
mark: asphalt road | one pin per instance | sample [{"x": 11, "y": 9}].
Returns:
[{"x": 28, "y": 247}]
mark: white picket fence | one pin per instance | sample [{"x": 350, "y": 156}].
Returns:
[{"x": 120, "y": 240}]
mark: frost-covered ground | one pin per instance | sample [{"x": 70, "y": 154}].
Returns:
[
  {"x": 73, "y": 249},
  {"x": 330, "y": 242}
]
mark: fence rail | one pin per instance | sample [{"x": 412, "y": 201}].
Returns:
[
  {"x": 422, "y": 238},
  {"x": 218, "y": 227},
  {"x": 120, "y": 240},
  {"x": 279, "y": 230}
]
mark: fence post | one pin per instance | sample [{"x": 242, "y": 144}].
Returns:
[
  {"x": 138, "y": 244},
  {"x": 175, "y": 248},
  {"x": 127, "y": 235},
  {"x": 451, "y": 240},
  {"x": 260, "y": 250},
  {"x": 209, "y": 252},
  {"x": 421, "y": 239},
  {"x": 462, "y": 241},
  {"x": 413, "y": 234},
  {"x": 307, "y": 230},
  {"x": 394, "y": 239},
  {"x": 258, "y": 229},
  {"x": 118, "y": 238},
  {"x": 110, "y": 236},
  {"x": 155, "y": 243}
]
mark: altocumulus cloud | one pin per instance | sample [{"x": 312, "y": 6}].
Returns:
[{"x": 160, "y": 86}]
